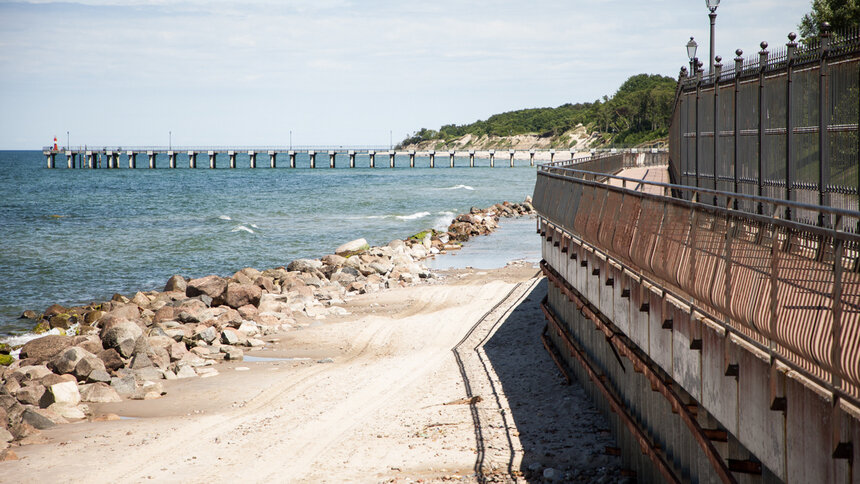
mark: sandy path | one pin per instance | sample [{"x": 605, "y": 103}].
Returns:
[{"x": 376, "y": 413}]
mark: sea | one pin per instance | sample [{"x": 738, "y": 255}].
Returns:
[{"x": 72, "y": 236}]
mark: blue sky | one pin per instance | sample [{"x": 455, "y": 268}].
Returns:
[{"x": 339, "y": 72}]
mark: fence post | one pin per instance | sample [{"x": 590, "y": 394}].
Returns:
[
  {"x": 718, "y": 70},
  {"x": 762, "y": 66},
  {"x": 823, "y": 121},
  {"x": 836, "y": 327},
  {"x": 698, "y": 126},
  {"x": 789, "y": 129},
  {"x": 739, "y": 68}
]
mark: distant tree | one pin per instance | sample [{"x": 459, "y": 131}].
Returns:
[{"x": 841, "y": 14}]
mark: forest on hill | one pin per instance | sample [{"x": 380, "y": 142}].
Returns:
[{"x": 637, "y": 113}]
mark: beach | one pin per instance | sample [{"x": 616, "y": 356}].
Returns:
[{"x": 438, "y": 380}]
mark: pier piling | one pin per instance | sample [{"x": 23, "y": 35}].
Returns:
[
  {"x": 471, "y": 158},
  {"x": 352, "y": 158},
  {"x": 212, "y": 160},
  {"x": 372, "y": 158},
  {"x": 331, "y": 159},
  {"x": 531, "y": 157},
  {"x": 492, "y": 158},
  {"x": 252, "y": 157},
  {"x": 132, "y": 159},
  {"x": 273, "y": 159},
  {"x": 70, "y": 160},
  {"x": 451, "y": 156},
  {"x": 171, "y": 156},
  {"x": 292, "y": 158},
  {"x": 313, "y": 156},
  {"x": 391, "y": 159},
  {"x": 432, "y": 159},
  {"x": 551, "y": 156},
  {"x": 151, "y": 155},
  {"x": 511, "y": 153},
  {"x": 412, "y": 159},
  {"x": 192, "y": 159},
  {"x": 232, "y": 155}
]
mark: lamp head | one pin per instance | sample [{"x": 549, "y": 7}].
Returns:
[
  {"x": 712, "y": 5},
  {"x": 691, "y": 48}
]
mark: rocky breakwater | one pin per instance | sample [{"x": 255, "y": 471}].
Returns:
[{"x": 124, "y": 348}]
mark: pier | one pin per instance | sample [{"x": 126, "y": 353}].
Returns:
[{"x": 114, "y": 157}]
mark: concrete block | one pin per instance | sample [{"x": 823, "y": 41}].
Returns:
[
  {"x": 760, "y": 429},
  {"x": 719, "y": 392}
]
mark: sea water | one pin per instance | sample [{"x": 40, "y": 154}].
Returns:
[{"x": 75, "y": 236}]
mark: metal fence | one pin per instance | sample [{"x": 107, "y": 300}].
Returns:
[
  {"x": 781, "y": 125},
  {"x": 789, "y": 288}
]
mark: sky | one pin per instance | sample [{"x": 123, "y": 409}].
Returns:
[{"x": 334, "y": 72}]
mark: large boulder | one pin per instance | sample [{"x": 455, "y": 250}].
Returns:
[
  {"x": 45, "y": 348},
  {"x": 305, "y": 265},
  {"x": 176, "y": 283},
  {"x": 99, "y": 393},
  {"x": 128, "y": 311},
  {"x": 121, "y": 336},
  {"x": 111, "y": 358},
  {"x": 212, "y": 286},
  {"x": 352, "y": 247},
  {"x": 87, "y": 365},
  {"x": 238, "y": 295},
  {"x": 31, "y": 394},
  {"x": 65, "y": 393},
  {"x": 68, "y": 359}
]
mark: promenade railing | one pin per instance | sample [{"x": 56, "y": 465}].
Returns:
[
  {"x": 782, "y": 125},
  {"x": 790, "y": 288}
]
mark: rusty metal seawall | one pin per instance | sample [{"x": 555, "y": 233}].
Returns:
[{"x": 788, "y": 292}]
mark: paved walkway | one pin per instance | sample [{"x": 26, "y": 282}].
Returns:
[{"x": 658, "y": 174}]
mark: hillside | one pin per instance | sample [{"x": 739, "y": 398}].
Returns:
[{"x": 637, "y": 113}]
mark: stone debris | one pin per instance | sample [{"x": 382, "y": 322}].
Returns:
[{"x": 125, "y": 347}]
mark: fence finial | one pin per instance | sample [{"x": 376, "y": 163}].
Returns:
[
  {"x": 791, "y": 45},
  {"x": 825, "y": 37},
  {"x": 739, "y": 62},
  {"x": 762, "y": 55}
]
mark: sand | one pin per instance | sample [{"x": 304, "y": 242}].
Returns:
[{"x": 388, "y": 393}]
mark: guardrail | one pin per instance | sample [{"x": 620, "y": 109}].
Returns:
[{"x": 789, "y": 288}]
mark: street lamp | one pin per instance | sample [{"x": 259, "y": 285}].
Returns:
[
  {"x": 170, "y": 140},
  {"x": 712, "y": 6},
  {"x": 691, "y": 54}
]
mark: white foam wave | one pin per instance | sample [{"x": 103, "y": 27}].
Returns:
[
  {"x": 255, "y": 226},
  {"x": 459, "y": 187},
  {"x": 414, "y": 216},
  {"x": 242, "y": 228},
  {"x": 21, "y": 339},
  {"x": 225, "y": 217}
]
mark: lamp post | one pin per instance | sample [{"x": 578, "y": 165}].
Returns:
[
  {"x": 692, "y": 46},
  {"x": 68, "y": 143},
  {"x": 170, "y": 140},
  {"x": 712, "y": 6}
]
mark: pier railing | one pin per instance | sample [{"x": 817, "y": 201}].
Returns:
[{"x": 791, "y": 289}]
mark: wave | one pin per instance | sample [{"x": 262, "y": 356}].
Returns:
[
  {"x": 242, "y": 228},
  {"x": 225, "y": 217},
  {"x": 459, "y": 187},
  {"x": 414, "y": 216}
]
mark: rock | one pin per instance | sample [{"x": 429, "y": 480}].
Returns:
[
  {"x": 31, "y": 395},
  {"x": 94, "y": 316},
  {"x": 99, "y": 393},
  {"x": 121, "y": 335},
  {"x": 185, "y": 371},
  {"x": 92, "y": 346},
  {"x": 552, "y": 475},
  {"x": 8, "y": 455},
  {"x": 128, "y": 311},
  {"x": 212, "y": 286},
  {"x": 230, "y": 336},
  {"x": 207, "y": 334},
  {"x": 53, "y": 378},
  {"x": 67, "y": 360},
  {"x": 62, "y": 321},
  {"x": 5, "y": 435},
  {"x": 249, "y": 328},
  {"x": 352, "y": 247},
  {"x": 304, "y": 265},
  {"x": 141, "y": 300},
  {"x": 148, "y": 373},
  {"x": 381, "y": 268},
  {"x": 54, "y": 310},
  {"x": 111, "y": 359},
  {"x": 28, "y": 314},
  {"x": 31, "y": 372},
  {"x": 238, "y": 295},
  {"x": 66, "y": 411},
  {"x": 6, "y": 359},
  {"x": 64, "y": 393},
  {"x": 41, "y": 419},
  {"x": 125, "y": 386},
  {"x": 265, "y": 283},
  {"x": 149, "y": 390},
  {"x": 140, "y": 360},
  {"x": 46, "y": 347},
  {"x": 176, "y": 283},
  {"x": 97, "y": 376},
  {"x": 334, "y": 260},
  {"x": 248, "y": 311},
  {"x": 233, "y": 353},
  {"x": 177, "y": 351},
  {"x": 87, "y": 365}
]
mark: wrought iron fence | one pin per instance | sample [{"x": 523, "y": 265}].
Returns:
[
  {"x": 782, "y": 125},
  {"x": 792, "y": 289}
]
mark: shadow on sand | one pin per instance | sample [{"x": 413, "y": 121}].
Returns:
[{"x": 528, "y": 419}]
